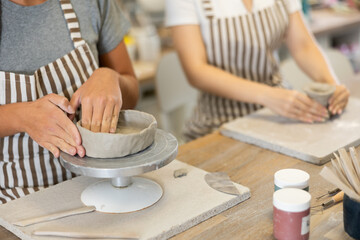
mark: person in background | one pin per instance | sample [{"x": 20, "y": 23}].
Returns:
[
  {"x": 55, "y": 57},
  {"x": 226, "y": 49}
]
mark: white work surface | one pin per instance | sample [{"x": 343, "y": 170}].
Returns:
[
  {"x": 313, "y": 143},
  {"x": 186, "y": 202}
]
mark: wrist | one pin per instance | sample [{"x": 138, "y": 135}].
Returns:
[
  {"x": 13, "y": 119},
  {"x": 264, "y": 94},
  {"x": 21, "y": 116}
]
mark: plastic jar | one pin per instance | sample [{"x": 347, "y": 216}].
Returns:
[
  {"x": 291, "y": 214},
  {"x": 291, "y": 178}
]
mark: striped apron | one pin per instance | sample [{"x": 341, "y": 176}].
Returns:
[
  {"x": 242, "y": 45},
  {"x": 26, "y": 167}
]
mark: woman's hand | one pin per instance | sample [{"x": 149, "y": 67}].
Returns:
[
  {"x": 295, "y": 105},
  {"x": 339, "y": 99},
  {"x": 46, "y": 123},
  {"x": 101, "y": 101}
]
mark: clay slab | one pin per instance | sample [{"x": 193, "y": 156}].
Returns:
[
  {"x": 186, "y": 202},
  {"x": 312, "y": 143}
]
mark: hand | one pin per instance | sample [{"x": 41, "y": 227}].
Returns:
[
  {"x": 101, "y": 100},
  {"x": 339, "y": 99},
  {"x": 295, "y": 105},
  {"x": 47, "y": 124}
]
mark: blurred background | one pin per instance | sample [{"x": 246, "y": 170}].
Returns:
[{"x": 164, "y": 90}]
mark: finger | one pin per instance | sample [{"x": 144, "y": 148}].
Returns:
[
  {"x": 106, "y": 120},
  {"x": 312, "y": 107},
  {"x": 71, "y": 129},
  {"x": 54, "y": 150},
  {"x": 75, "y": 100},
  {"x": 305, "y": 110},
  {"x": 62, "y": 134},
  {"x": 69, "y": 133},
  {"x": 334, "y": 97},
  {"x": 66, "y": 129},
  {"x": 115, "y": 118},
  {"x": 80, "y": 151},
  {"x": 98, "y": 112},
  {"x": 339, "y": 102},
  {"x": 61, "y": 102},
  {"x": 62, "y": 145},
  {"x": 298, "y": 116},
  {"x": 86, "y": 114}
]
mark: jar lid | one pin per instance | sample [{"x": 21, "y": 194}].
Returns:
[
  {"x": 291, "y": 178},
  {"x": 291, "y": 200}
]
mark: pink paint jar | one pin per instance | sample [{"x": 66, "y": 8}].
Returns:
[{"x": 291, "y": 216}]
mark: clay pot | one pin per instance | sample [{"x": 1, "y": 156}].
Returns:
[
  {"x": 135, "y": 132},
  {"x": 320, "y": 92}
]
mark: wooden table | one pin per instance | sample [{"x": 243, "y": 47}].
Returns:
[{"x": 253, "y": 167}]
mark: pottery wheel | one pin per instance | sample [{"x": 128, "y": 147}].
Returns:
[{"x": 124, "y": 193}]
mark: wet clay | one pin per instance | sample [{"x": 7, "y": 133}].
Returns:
[
  {"x": 128, "y": 130},
  {"x": 135, "y": 132},
  {"x": 320, "y": 92}
]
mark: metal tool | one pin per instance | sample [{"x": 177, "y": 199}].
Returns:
[
  {"x": 54, "y": 216},
  {"x": 329, "y": 193},
  {"x": 220, "y": 181},
  {"x": 82, "y": 235},
  {"x": 335, "y": 199}
]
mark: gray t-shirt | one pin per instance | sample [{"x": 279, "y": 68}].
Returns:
[{"x": 33, "y": 36}]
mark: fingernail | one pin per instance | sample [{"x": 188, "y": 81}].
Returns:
[
  {"x": 72, "y": 151},
  {"x": 71, "y": 110},
  {"x": 340, "y": 111},
  {"x": 112, "y": 130},
  {"x": 81, "y": 152}
]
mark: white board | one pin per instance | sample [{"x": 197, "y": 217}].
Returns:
[
  {"x": 186, "y": 202},
  {"x": 313, "y": 143}
]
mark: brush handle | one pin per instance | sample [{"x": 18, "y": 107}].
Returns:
[{"x": 338, "y": 197}]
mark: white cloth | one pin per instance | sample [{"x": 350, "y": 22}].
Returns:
[{"x": 184, "y": 12}]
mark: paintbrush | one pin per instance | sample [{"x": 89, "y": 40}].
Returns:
[{"x": 334, "y": 199}]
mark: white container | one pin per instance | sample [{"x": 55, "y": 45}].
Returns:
[{"x": 291, "y": 178}]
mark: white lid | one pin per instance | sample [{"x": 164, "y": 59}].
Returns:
[
  {"x": 291, "y": 178},
  {"x": 291, "y": 200}
]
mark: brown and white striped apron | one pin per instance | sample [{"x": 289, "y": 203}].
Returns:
[
  {"x": 242, "y": 45},
  {"x": 26, "y": 167}
]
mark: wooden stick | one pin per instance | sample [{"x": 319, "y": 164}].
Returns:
[
  {"x": 356, "y": 160},
  {"x": 349, "y": 170}
]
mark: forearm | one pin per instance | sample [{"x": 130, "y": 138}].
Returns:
[
  {"x": 192, "y": 53},
  {"x": 219, "y": 82},
  {"x": 311, "y": 60},
  {"x": 129, "y": 90},
  {"x": 306, "y": 51},
  {"x": 10, "y": 119}
]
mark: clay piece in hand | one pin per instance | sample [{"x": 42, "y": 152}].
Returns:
[{"x": 320, "y": 92}]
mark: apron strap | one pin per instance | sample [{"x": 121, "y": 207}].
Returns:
[
  {"x": 72, "y": 22},
  {"x": 208, "y": 8}
]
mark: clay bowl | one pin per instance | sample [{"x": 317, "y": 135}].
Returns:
[
  {"x": 320, "y": 92},
  {"x": 135, "y": 132}
]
